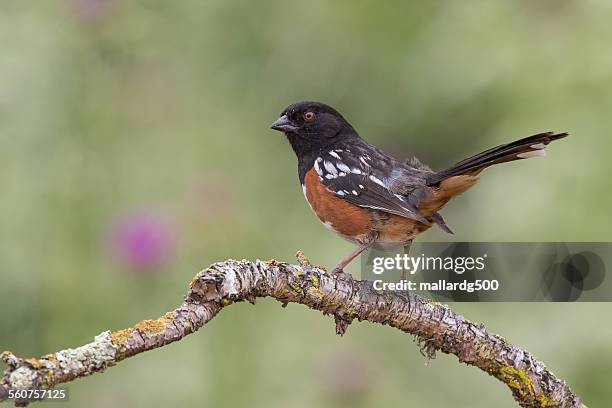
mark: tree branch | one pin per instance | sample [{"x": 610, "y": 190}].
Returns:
[{"x": 435, "y": 326}]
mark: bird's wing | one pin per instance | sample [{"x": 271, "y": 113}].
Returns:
[{"x": 351, "y": 175}]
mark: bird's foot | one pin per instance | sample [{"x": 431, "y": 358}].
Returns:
[
  {"x": 340, "y": 274},
  {"x": 337, "y": 270}
]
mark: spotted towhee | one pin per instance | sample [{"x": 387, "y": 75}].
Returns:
[{"x": 367, "y": 196}]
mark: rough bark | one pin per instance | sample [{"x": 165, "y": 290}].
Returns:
[{"x": 435, "y": 326}]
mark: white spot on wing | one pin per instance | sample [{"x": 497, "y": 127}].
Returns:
[
  {"x": 343, "y": 167},
  {"x": 340, "y": 193},
  {"x": 377, "y": 181},
  {"x": 330, "y": 167},
  {"x": 375, "y": 207},
  {"x": 538, "y": 146},
  {"x": 408, "y": 211},
  {"x": 355, "y": 171},
  {"x": 330, "y": 176},
  {"x": 535, "y": 153},
  {"x": 361, "y": 159},
  {"x": 316, "y": 166},
  {"x": 334, "y": 154},
  {"x": 355, "y": 192}
]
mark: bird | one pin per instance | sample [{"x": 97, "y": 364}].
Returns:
[{"x": 370, "y": 198}]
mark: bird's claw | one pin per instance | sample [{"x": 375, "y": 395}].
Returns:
[{"x": 337, "y": 271}]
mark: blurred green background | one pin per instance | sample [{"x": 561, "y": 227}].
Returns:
[{"x": 135, "y": 150}]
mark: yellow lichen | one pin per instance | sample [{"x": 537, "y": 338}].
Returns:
[
  {"x": 194, "y": 280},
  {"x": 120, "y": 337},
  {"x": 315, "y": 280},
  {"x": 518, "y": 380},
  {"x": 151, "y": 326},
  {"x": 188, "y": 327},
  {"x": 47, "y": 379},
  {"x": 283, "y": 293},
  {"x": 296, "y": 287},
  {"x": 544, "y": 400},
  {"x": 34, "y": 362},
  {"x": 302, "y": 259},
  {"x": 315, "y": 293}
]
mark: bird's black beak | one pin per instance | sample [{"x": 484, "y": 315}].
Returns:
[{"x": 283, "y": 124}]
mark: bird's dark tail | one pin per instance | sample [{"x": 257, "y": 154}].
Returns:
[{"x": 532, "y": 146}]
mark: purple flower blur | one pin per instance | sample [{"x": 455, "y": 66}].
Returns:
[
  {"x": 142, "y": 240},
  {"x": 93, "y": 10}
]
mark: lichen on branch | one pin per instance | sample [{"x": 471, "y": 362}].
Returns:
[{"x": 436, "y": 327}]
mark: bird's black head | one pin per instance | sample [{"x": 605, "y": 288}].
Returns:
[{"x": 311, "y": 126}]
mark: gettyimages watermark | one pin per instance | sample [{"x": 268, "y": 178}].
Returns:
[{"x": 495, "y": 272}]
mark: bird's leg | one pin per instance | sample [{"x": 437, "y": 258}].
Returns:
[
  {"x": 407, "y": 246},
  {"x": 347, "y": 259}
]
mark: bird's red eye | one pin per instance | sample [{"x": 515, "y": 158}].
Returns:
[{"x": 309, "y": 116}]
